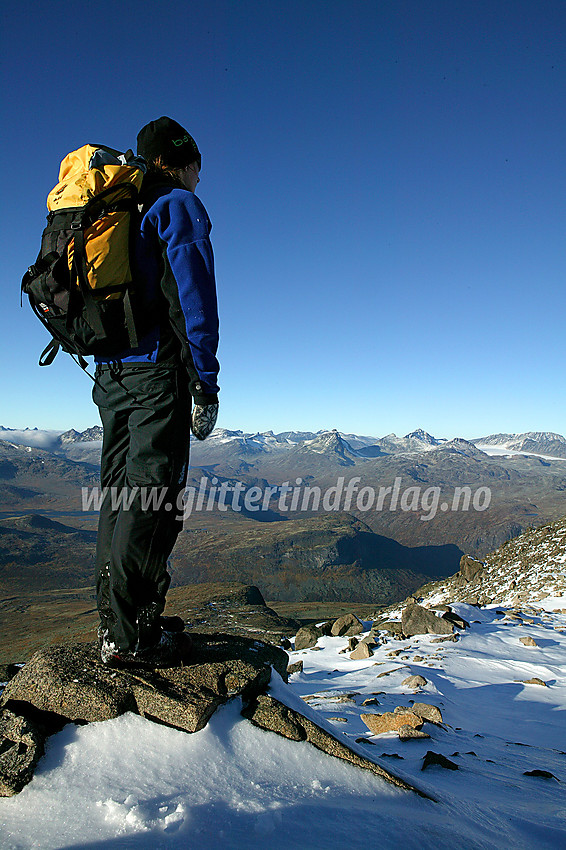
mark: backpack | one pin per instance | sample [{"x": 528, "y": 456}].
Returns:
[{"x": 80, "y": 286}]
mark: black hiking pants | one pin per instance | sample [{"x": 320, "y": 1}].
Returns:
[{"x": 145, "y": 411}]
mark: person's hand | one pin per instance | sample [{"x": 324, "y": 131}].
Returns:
[{"x": 203, "y": 420}]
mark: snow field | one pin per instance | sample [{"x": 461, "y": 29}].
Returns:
[
  {"x": 230, "y": 785},
  {"x": 495, "y": 727},
  {"x": 130, "y": 783}
]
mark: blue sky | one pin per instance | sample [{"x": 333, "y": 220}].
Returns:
[{"x": 386, "y": 182}]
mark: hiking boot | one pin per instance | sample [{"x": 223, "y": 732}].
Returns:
[
  {"x": 172, "y": 624},
  {"x": 174, "y": 649},
  {"x": 168, "y": 624}
]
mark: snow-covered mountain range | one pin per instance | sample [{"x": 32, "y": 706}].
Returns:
[
  {"x": 526, "y": 485},
  {"x": 538, "y": 443}
]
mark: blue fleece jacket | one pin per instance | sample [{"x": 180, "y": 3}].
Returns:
[{"x": 174, "y": 274}]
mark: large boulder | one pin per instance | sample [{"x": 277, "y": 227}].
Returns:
[
  {"x": 71, "y": 682},
  {"x": 347, "y": 626},
  {"x": 456, "y": 620},
  {"x": 230, "y": 608},
  {"x": 393, "y": 627},
  {"x": 414, "y": 682},
  {"x": 62, "y": 684},
  {"x": 428, "y": 712},
  {"x": 469, "y": 567},
  {"x": 407, "y": 733},
  {"x": 361, "y": 652},
  {"x": 307, "y": 637},
  {"x": 416, "y": 620}
]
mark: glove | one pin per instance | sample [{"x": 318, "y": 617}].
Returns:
[{"x": 203, "y": 420}]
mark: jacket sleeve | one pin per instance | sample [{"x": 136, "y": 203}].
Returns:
[{"x": 183, "y": 227}]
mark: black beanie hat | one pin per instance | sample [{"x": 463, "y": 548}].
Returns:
[{"x": 166, "y": 139}]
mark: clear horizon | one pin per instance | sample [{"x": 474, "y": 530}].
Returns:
[{"x": 317, "y": 431}]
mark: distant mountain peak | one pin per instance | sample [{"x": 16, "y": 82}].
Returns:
[
  {"x": 530, "y": 442},
  {"x": 327, "y": 439},
  {"x": 462, "y": 446},
  {"x": 331, "y": 443},
  {"x": 423, "y": 436},
  {"x": 70, "y": 436},
  {"x": 543, "y": 436},
  {"x": 89, "y": 435}
]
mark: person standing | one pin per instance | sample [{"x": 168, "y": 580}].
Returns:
[{"x": 149, "y": 399}]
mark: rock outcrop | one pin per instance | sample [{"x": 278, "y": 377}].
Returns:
[
  {"x": 307, "y": 636},
  {"x": 506, "y": 576},
  {"x": 414, "y": 682},
  {"x": 347, "y": 626},
  {"x": 416, "y": 620},
  {"x": 391, "y": 721},
  {"x": 428, "y": 712},
  {"x": 63, "y": 684},
  {"x": 431, "y": 758},
  {"x": 469, "y": 567},
  {"x": 70, "y": 681},
  {"x": 231, "y": 608},
  {"x": 22, "y": 743},
  {"x": 362, "y": 651},
  {"x": 268, "y": 713}
]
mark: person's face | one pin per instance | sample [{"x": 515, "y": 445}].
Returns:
[{"x": 190, "y": 176}]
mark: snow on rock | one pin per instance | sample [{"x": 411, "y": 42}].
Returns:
[
  {"x": 230, "y": 785},
  {"x": 528, "y": 570},
  {"x": 501, "y": 716},
  {"x": 234, "y": 785}
]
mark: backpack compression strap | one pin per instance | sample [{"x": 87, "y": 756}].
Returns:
[
  {"x": 80, "y": 268},
  {"x": 49, "y": 353}
]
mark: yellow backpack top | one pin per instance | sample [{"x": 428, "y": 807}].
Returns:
[
  {"x": 93, "y": 173},
  {"x": 81, "y": 283}
]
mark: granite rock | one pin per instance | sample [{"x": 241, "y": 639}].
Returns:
[
  {"x": 409, "y": 733},
  {"x": 347, "y": 626},
  {"x": 22, "y": 743},
  {"x": 268, "y": 713},
  {"x": 70, "y": 681},
  {"x": 391, "y": 721},
  {"x": 363, "y": 650},
  {"x": 414, "y": 682},
  {"x": 416, "y": 620},
  {"x": 427, "y": 712},
  {"x": 307, "y": 637}
]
